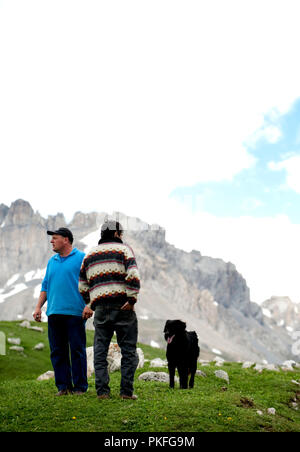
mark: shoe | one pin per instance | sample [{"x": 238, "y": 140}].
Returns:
[
  {"x": 78, "y": 392},
  {"x": 103, "y": 396},
  {"x": 131, "y": 397},
  {"x": 63, "y": 392}
]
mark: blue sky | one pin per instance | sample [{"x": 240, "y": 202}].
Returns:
[{"x": 261, "y": 190}]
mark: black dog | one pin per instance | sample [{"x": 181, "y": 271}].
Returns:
[{"x": 182, "y": 352}]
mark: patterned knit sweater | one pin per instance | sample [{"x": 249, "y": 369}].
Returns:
[{"x": 109, "y": 271}]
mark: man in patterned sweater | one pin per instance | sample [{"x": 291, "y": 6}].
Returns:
[{"x": 109, "y": 283}]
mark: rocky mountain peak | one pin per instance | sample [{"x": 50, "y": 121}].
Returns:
[
  {"x": 21, "y": 213},
  {"x": 3, "y": 212},
  {"x": 208, "y": 293}
]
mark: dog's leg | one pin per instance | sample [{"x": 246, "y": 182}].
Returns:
[
  {"x": 183, "y": 377},
  {"x": 192, "y": 378},
  {"x": 171, "y": 375},
  {"x": 193, "y": 369}
]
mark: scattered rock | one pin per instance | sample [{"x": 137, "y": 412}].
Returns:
[
  {"x": 141, "y": 358},
  {"x": 204, "y": 362},
  {"x": 37, "y": 328},
  {"x": 39, "y": 346},
  {"x": 259, "y": 412},
  {"x": 287, "y": 369},
  {"x": 46, "y": 376},
  {"x": 296, "y": 382},
  {"x": 17, "y": 348},
  {"x": 222, "y": 374},
  {"x": 259, "y": 368},
  {"x": 247, "y": 364},
  {"x": 289, "y": 363},
  {"x": 271, "y": 367},
  {"x": 162, "y": 377},
  {"x": 271, "y": 411},
  {"x": 157, "y": 362},
  {"x": 25, "y": 324},
  {"x": 113, "y": 358},
  {"x": 200, "y": 373},
  {"x": 14, "y": 340},
  {"x": 219, "y": 361}
]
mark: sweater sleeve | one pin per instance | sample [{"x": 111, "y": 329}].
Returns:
[
  {"x": 83, "y": 285},
  {"x": 132, "y": 278}
]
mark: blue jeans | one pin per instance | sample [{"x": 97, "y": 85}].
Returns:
[
  {"x": 108, "y": 319},
  {"x": 67, "y": 340}
]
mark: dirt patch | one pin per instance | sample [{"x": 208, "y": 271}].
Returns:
[{"x": 246, "y": 403}]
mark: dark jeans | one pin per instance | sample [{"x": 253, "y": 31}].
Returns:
[
  {"x": 67, "y": 340},
  {"x": 107, "y": 320}
]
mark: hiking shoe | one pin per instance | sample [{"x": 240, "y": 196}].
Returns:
[
  {"x": 63, "y": 392},
  {"x": 131, "y": 397},
  {"x": 103, "y": 396},
  {"x": 78, "y": 392}
]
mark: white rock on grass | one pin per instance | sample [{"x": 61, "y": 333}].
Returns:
[
  {"x": 39, "y": 346},
  {"x": 271, "y": 411},
  {"x": 158, "y": 362},
  {"x": 17, "y": 348},
  {"x": 113, "y": 358},
  {"x": 162, "y": 377},
  {"x": 14, "y": 340},
  {"x": 219, "y": 361},
  {"x": 200, "y": 373},
  {"x": 25, "y": 324},
  {"x": 46, "y": 376},
  {"x": 247, "y": 364},
  {"x": 37, "y": 328},
  {"x": 289, "y": 363},
  {"x": 271, "y": 367},
  {"x": 222, "y": 374}
]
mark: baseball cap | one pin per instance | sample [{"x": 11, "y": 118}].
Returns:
[{"x": 65, "y": 232}]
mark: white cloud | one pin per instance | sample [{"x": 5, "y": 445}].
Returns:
[
  {"x": 111, "y": 105},
  {"x": 292, "y": 167},
  {"x": 264, "y": 250}
]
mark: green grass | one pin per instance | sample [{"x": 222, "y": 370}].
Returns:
[{"x": 212, "y": 406}]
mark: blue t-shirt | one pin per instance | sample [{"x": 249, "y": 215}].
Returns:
[{"x": 61, "y": 284}]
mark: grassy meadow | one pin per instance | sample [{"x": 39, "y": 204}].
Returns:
[{"x": 27, "y": 405}]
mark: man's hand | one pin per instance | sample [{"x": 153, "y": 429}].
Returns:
[
  {"x": 127, "y": 307},
  {"x": 87, "y": 313},
  {"x": 37, "y": 315}
]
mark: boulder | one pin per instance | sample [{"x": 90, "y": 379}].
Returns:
[
  {"x": 39, "y": 346},
  {"x": 222, "y": 374},
  {"x": 14, "y": 340},
  {"x": 162, "y": 377},
  {"x": 247, "y": 364},
  {"x": 113, "y": 358},
  {"x": 17, "y": 348},
  {"x": 158, "y": 362},
  {"x": 46, "y": 376}
]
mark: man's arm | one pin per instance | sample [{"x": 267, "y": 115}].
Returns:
[
  {"x": 37, "y": 315},
  {"x": 83, "y": 287}
]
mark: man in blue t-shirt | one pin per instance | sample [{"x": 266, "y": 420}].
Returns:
[{"x": 66, "y": 324}]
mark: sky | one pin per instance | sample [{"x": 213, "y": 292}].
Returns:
[{"x": 184, "y": 114}]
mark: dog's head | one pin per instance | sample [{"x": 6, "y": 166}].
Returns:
[{"x": 173, "y": 328}]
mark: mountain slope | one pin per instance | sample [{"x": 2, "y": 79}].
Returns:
[{"x": 209, "y": 294}]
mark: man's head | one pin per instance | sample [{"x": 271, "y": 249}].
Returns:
[
  {"x": 62, "y": 240},
  {"x": 111, "y": 229}
]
